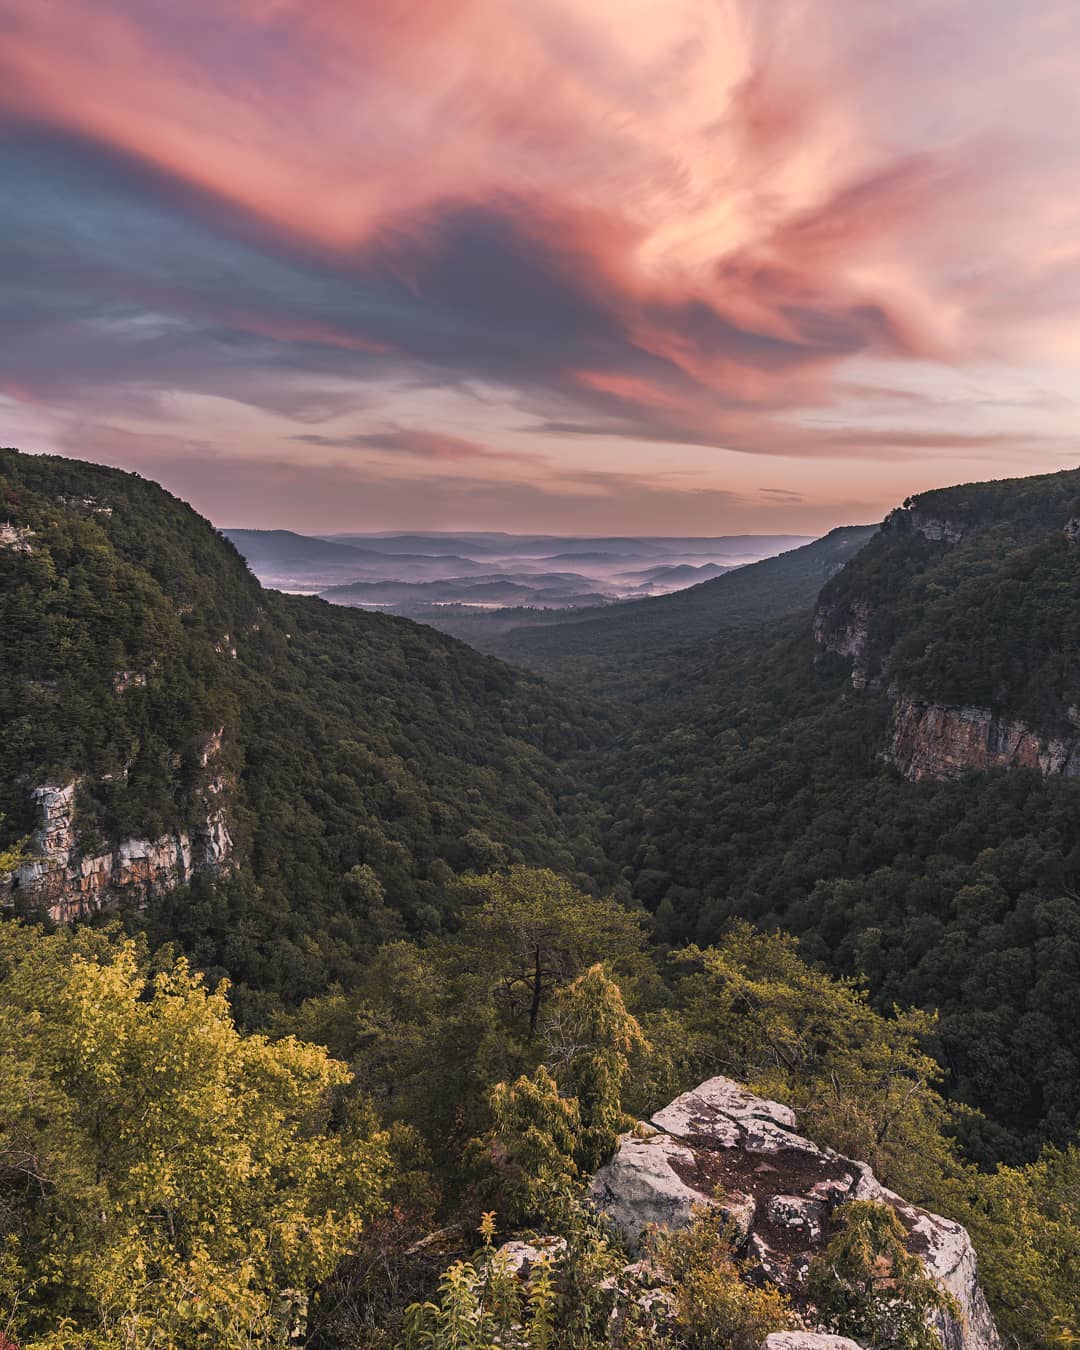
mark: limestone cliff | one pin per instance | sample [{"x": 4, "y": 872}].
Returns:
[
  {"x": 71, "y": 882},
  {"x": 722, "y": 1145}
]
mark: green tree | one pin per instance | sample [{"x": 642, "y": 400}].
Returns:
[
  {"x": 531, "y": 1145},
  {"x": 1025, "y": 1223},
  {"x": 168, "y": 1180},
  {"x": 532, "y": 931},
  {"x": 591, "y": 1040},
  {"x": 867, "y": 1285}
]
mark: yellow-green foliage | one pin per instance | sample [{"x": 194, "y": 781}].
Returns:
[
  {"x": 713, "y": 1305},
  {"x": 591, "y": 1040},
  {"x": 861, "y": 1082},
  {"x": 168, "y": 1180},
  {"x": 1025, "y": 1222},
  {"x": 12, "y": 856},
  {"x": 868, "y": 1286},
  {"x": 482, "y": 1306},
  {"x": 530, "y": 1147}
]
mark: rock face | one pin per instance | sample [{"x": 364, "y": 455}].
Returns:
[
  {"x": 16, "y": 538},
  {"x": 722, "y": 1145},
  {"x": 845, "y": 630},
  {"x": 938, "y": 531},
  {"x": 807, "y": 1340},
  {"x": 72, "y": 884},
  {"x": 932, "y": 740}
]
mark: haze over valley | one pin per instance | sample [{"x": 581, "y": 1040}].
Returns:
[{"x": 417, "y": 574}]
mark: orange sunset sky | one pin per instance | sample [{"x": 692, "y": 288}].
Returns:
[{"x": 605, "y": 266}]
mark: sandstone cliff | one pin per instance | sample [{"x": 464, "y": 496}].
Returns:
[
  {"x": 900, "y": 614},
  {"x": 932, "y": 740},
  {"x": 722, "y": 1145},
  {"x": 70, "y": 882}
]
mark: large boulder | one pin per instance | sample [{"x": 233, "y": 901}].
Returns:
[{"x": 722, "y": 1145}]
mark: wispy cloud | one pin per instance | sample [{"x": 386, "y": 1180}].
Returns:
[
  {"x": 418, "y": 442},
  {"x": 683, "y": 223}
]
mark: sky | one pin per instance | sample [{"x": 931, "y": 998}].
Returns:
[{"x": 592, "y": 266}]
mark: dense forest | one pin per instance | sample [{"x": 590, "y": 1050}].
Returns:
[
  {"x": 368, "y": 757},
  {"x": 763, "y": 789},
  {"x": 480, "y": 920},
  {"x": 636, "y": 651}
]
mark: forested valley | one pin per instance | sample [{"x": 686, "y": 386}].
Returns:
[{"x": 358, "y": 951}]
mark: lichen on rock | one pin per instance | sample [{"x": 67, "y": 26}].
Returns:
[{"x": 721, "y": 1145}]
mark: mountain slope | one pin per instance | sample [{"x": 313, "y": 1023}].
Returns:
[
  {"x": 769, "y": 786},
  {"x": 635, "y": 649},
  {"x": 146, "y": 670},
  {"x": 965, "y": 607}
]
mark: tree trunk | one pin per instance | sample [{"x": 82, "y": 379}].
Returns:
[{"x": 538, "y": 981}]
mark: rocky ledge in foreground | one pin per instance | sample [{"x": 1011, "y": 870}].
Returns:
[{"x": 722, "y": 1145}]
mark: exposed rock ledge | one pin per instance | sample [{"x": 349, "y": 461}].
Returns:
[
  {"x": 933, "y": 740},
  {"x": 722, "y": 1145},
  {"x": 934, "y": 528},
  {"x": 845, "y": 630},
  {"x": 71, "y": 884},
  {"x": 807, "y": 1340}
]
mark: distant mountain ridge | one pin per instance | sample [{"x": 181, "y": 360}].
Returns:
[
  {"x": 631, "y": 648},
  {"x": 402, "y": 568},
  {"x": 540, "y": 545}
]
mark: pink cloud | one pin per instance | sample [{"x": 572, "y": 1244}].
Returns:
[
  {"x": 706, "y": 211},
  {"x": 418, "y": 443}
]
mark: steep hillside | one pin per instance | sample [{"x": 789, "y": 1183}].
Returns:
[
  {"x": 964, "y": 608},
  {"x": 943, "y": 867},
  {"x": 166, "y": 721},
  {"x": 637, "y": 649}
]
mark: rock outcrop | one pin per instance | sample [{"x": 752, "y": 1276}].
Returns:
[
  {"x": 521, "y": 1258},
  {"x": 71, "y": 883},
  {"x": 807, "y": 1340},
  {"x": 938, "y": 531},
  {"x": 845, "y": 631},
  {"x": 934, "y": 740},
  {"x": 722, "y": 1145},
  {"x": 16, "y": 538},
  {"x": 935, "y": 528}
]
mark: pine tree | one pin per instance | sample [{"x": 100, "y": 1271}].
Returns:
[{"x": 591, "y": 1040}]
